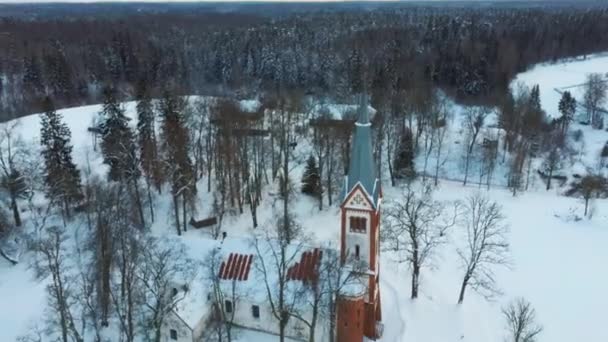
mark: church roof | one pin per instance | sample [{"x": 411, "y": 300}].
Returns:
[
  {"x": 307, "y": 269},
  {"x": 362, "y": 167}
]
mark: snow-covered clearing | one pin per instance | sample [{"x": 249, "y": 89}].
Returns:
[
  {"x": 568, "y": 75},
  {"x": 558, "y": 264}
]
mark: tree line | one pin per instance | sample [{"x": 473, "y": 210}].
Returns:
[{"x": 472, "y": 53}]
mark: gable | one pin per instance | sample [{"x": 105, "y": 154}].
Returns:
[{"x": 358, "y": 199}]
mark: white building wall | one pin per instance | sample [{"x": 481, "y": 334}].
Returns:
[
  {"x": 173, "y": 321},
  {"x": 355, "y": 238},
  {"x": 243, "y": 317}
]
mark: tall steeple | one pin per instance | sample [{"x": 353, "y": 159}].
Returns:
[
  {"x": 359, "y": 313},
  {"x": 362, "y": 167}
]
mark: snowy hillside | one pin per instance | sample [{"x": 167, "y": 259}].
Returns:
[{"x": 557, "y": 263}]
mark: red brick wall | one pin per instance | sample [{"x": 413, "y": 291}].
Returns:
[{"x": 351, "y": 319}]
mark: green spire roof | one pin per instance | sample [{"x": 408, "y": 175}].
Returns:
[{"x": 362, "y": 168}]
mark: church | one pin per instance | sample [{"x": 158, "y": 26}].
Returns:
[{"x": 358, "y": 312}]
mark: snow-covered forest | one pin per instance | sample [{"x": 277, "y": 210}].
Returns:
[{"x": 137, "y": 165}]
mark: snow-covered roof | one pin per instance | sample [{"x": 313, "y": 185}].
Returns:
[{"x": 342, "y": 111}]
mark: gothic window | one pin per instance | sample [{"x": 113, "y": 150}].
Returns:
[
  {"x": 358, "y": 224},
  {"x": 357, "y": 250}
]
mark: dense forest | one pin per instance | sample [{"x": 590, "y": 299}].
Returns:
[{"x": 471, "y": 52}]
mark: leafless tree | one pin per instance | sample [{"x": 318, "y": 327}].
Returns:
[
  {"x": 416, "y": 226},
  {"x": 126, "y": 287},
  {"x": 552, "y": 163},
  {"x": 594, "y": 98},
  {"x": 335, "y": 276},
  {"x": 589, "y": 187},
  {"x": 276, "y": 251},
  {"x": 221, "y": 320},
  {"x": 440, "y": 125},
  {"x": 52, "y": 260},
  {"x": 12, "y": 159},
  {"x": 518, "y": 161},
  {"x": 392, "y": 129},
  {"x": 163, "y": 266},
  {"x": 486, "y": 246},
  {"x": 521, "y": 322},
  {"x": 473, "y": 123}
]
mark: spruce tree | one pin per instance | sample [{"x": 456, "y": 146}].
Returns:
[
  {"x": 61, "y": 176},
  {"x": 311, "y": 182},
  {"x": 404, "y": 156},
  {"x": 117, "y": 137},
  {"x": 176, "y": 155},
  {"x": 535, "y": 104},
  {"x": 146, "y": 138},
  {"x": 567, "y": 107}
]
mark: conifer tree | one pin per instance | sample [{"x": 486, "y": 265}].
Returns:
[
  {"x": 175, "y": 146},
  {"x": 311, "y": 182},
  {"x": 567, "y": 107},
  {"x": 147, "y": 143},
  {"x": 117, "y": 137},
  {"x": 146, "y": 138},
  {"x": 61, "y": 176},
  {"x": 535, "y": 104},
  {"x": 404, "y": 156}
]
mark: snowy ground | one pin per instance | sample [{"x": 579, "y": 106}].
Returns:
[
  {"x": 562, "y": 76},
  {"x": 558, "y": 264}
]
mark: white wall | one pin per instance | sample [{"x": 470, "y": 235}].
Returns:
[
  {"x": 361, "y": 239},
  {"x": 184, "y": 333},
  {"x": 267, "y": 322}
]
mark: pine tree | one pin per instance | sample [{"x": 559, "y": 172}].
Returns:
[
  {"x": 404, "y": 156},
  {"x": 62, "y": 178},
  {"x": 146, "y": 138},
  {"x": 175, "y": 146},
  {"x": 567, "y": 107},
  {"x": 535, "y": 104},
  {"x": 311, "y": 182},
  {"x": 117, "y": 137}
]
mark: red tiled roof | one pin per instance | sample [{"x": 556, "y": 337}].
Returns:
[
  {"x": 307, "y": 269},
  {"x": 236, "y": 267}
]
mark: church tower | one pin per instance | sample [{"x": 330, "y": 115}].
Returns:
[{"x": 359, "y": 312}]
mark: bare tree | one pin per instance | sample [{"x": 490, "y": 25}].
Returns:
[
  {"x": 440, "y": 125},
  {"x": 521, "y": 321},
  {"x": 335, "y": 276},
  {"x": 416, "y": 226},
  {"x": 12, "y": 158},
  {"x": 589, "y": 187},
  {"x": 552, "y": 163},
  {"x": 276, "y": 253},
  {"x": 126, "y": 286},
  {"x": 221, "y": 321},
  {"x": 163, "y": 266},
  {"x": 486, "y": 246},
  {"x": 594, "y": 98},
  {"x": 52, "y": 260},
  {"x": 473, "y": 123}
]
